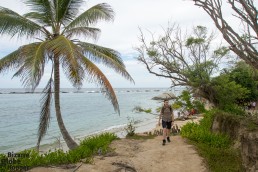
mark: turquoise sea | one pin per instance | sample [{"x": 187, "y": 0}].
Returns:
[{"x": 84, "y": 112}]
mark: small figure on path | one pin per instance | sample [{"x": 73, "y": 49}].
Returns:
[{"x": 167, "y": 116}]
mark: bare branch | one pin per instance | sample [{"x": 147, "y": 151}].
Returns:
[
  {"x": 185, "y": 60},
  {"x": 246, "y": 12}
]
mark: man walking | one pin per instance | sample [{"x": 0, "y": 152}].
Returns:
[{"x": 167, "y": 116}]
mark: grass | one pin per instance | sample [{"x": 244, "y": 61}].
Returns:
[
  {"x": 220, "y": 159},
  {"x": 216, "y": 149},
  {"x": 84, "y": 152}
]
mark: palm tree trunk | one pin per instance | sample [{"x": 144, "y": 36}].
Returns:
[{"x": 68, "y": 139}]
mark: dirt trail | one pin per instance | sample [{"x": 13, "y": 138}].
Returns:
[{"x": 143, "y": 156}]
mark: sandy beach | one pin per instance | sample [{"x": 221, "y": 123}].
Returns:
[{"x": 142, "y": 156}]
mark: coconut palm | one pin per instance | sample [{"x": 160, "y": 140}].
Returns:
[{"x": 56, "y": 25}]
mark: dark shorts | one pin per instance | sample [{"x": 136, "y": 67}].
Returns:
[{"x": 166, "y": 124}]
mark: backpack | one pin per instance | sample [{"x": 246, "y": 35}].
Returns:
[{"x": 162, "y": 109}]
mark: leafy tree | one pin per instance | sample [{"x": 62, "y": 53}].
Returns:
[
  {"x": 186, "y": 60},
  {"x": 247, "y": 77},
  {"x": 226, "y": 93},
  {"x": 185, "y": 98},
  {"x": 243, "y": 36},
  {"x": 57, "y": 27},
  {"x": 187, "y": 102}
]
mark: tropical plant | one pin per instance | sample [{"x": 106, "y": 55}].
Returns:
[{"x": 57, "y": 27}]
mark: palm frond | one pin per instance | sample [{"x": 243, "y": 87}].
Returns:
[
  {"x": 95, "y": 75},
  {"x": 45, "y": 111},
  {"x": 87, "y": 32},
  {"x": 12, "y": 61},
  {"x": 107, "y": 56},
  {"x": 92, "y": 16},
  {"x": 41, "y": 10},
  {"x": 66, "y": 10},
  {"x": 39, "y": 18},
  {"x": 12, "y": 23},
  {"x": 33, "y": 66},
  {"x": 68, "y": 53}
]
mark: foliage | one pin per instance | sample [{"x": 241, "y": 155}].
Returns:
[
  {"x": 140, "y": 109},
  {"x": 227, "y": 93},
  {"x": 247, "y": 77},
  {"x": 185, "y": 101},
  {"x": 200, "y": 75},
  {"x": 158, "y": 109},
  {"x": 176, "y": 105},
  {"x": 130, "y": 128},
  {"x": 234, "y": 88},
  {"x": 186, "y": 59},
  {"x": 87, "y": 148},
  {"x": 199, "y": 106},
  {"x": 219, "y": 159},
  {"x": 215, "y": 148},
  {"x": 201, "y": 133}
]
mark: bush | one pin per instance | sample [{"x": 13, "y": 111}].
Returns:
[
  {"x": 130, "y": 128},
  {"x": 215, "y": 148},
  {"x": 87, "y": 148},
  {"x": 199, "y": 106},
  {"x": 140, "y": 109},
  {"x": 196, "y": 133}
]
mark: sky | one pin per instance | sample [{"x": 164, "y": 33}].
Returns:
[{"x": 122, "y": 35}]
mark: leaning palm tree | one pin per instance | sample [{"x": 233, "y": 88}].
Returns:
[{"x": 57, "y": 25}]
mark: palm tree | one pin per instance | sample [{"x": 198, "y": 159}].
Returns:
[{"x": 57, "y": 25}]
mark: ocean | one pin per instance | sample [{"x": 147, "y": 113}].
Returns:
[{"x": 85, "y": 112}]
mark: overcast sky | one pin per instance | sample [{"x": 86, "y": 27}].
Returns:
[{"x": 121, "y": 35}]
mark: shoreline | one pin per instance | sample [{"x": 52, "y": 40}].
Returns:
[
  {"x": 130, "y": 152},
  {"x": 118, "y": 130},
  {"x": 141, "y": 128}
]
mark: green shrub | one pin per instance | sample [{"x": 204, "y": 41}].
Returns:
[
  {"x": 215, "y": 148},
  {"x": 140, "y": 109},
  {"x": 87, "y": 148},
  {"x": 130, "y": 128},
  {"x": 198, "y": 134},
  {"x": 199, "y": 106},
  {"x": 234, "y": 109},
  {"x": 177, "y": 105},
  {"x": 147, "y": 110}
]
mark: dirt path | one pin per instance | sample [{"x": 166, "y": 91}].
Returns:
[{"x": 143, "y": 156}]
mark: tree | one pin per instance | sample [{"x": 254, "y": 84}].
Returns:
[
  {"x": 243, "y": 44},
  {"x": 57, "y": 25},
  {"x": 227, "y": 93},
  {"x": 247, "y": 77},
  {"x": 187, "y": 60}
]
